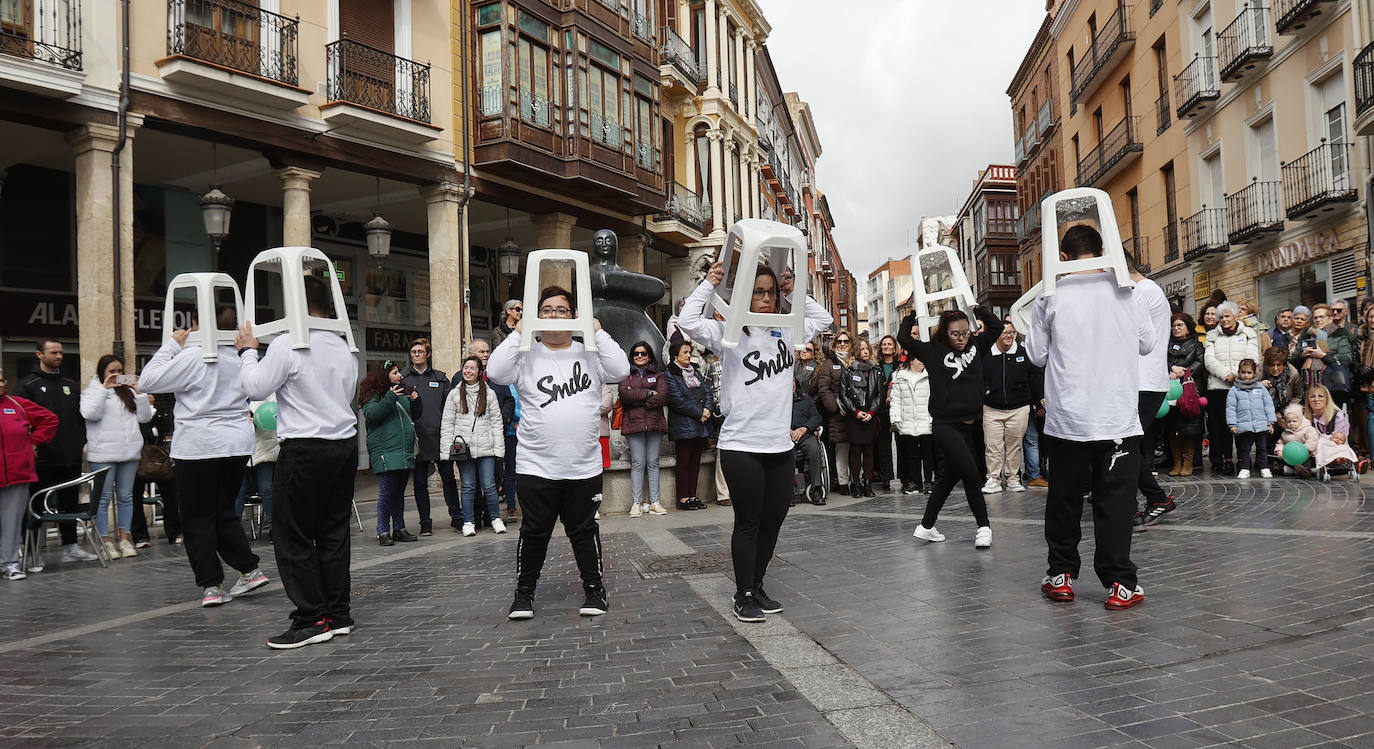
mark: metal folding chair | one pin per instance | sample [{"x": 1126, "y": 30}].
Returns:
[{"x": 41, "y": 511}]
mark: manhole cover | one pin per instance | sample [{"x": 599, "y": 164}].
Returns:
[{"x": 678, "y": 565}]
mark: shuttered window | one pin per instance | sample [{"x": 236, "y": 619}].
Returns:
[{"x": 371, "y": 22}]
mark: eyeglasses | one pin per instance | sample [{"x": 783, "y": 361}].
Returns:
[
  {"x": 517, "y": 309},
  {"x": 641, "y": 353},
  {"x": 809, "y": 350},
  {"x": 842, "y": 342},
  {"x": 959, "y": 333},
  {"x": 761, "y": 293},
  {"x": 559, "y": 312}
]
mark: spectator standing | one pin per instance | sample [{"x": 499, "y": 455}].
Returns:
[
  {"x": 24, "y": 425},
  {"x": 313, "y": 483},
  {"x": 473, "y": 413},
  {"x": 1248, "y": 314},
  {"x": 1250, "y": 414},
  {"x": 432, "y": 386},
  {"x": 1206, "y": 322},
  {"x": 689, "y": 416},
  {"x": 505, "y": 466},
  {"x": 826, "y": 384},
  {"x": 910, "y": 411},
  {"x": 157, "y": 431},
  {"x": 806, "y": 367},
  {"x": 1281, "y": 334},
  {"x": 642, "y": 397},
  {"x": 1030, "y": 445},
  {"x": 1227, "y": 344},
  {"x": 113, "y": 412},
  {"x": 1185, "y": 360},
  {"x": 1322, "y": 347},
  {"x": 390, "y": 409},
  {"x": 861, "y": 397},
  {"x": 1302, "y": 316},
  {"x": 713, "y": 373},
  {"x": 210, "y": 446},
  {"x": 887, "y": 358},
  {"x": 1281, "y": 379},
  {"x": 511, "y": 312},
  {"x": 1010, "y": 389},
  {"x": 59, "y": 460},
  {"x": 261, "y": 466}
]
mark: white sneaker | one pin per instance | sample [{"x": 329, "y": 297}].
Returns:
[
  {"x": 498, "y": 525},
  {"x": 112, "y": 548},
  {"x": 1014, "y": 486},
  {"x": 469, "y": 529},
  {"x": 927, "y": 534},
  {"x": 14, "y": 572},
  {"x": 74, "y": 553},
  {"x": 1265, "y": 473},
  {"x": 657, "y": 509},
  {"x": 983, "y": 538},
  {"x": 127, "y": 548},
  {"x": 1243, "y": 473},
  {"x": 634, "y": 510},
  {"x": 993, "y": 486}
]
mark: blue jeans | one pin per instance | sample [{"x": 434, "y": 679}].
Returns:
[
  {"x": 391, "y": 507},
  {"x": 261, "y": 474},
  {"x": 1031, "y": 445},
  {"x": 485, "y": 470},
  {"x": 644, "y": 448},
  {"x": 121, "y": 481}
]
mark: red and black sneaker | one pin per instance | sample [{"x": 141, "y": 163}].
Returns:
[
  {"x": 1154, "y": 512},
  {"x": 1138, "y": 522},
  {"x": 1121, "y": 598},
  {"x": 1057, "y": 587}
]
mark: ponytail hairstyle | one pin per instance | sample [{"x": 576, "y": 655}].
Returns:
[
  {"x": 481, "y": 386},
  {"x": 124, "y": 392}
]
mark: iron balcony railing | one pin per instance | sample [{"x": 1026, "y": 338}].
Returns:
[
  {"x": 1170, "y": 242},
  {"x": 376, "y": 79},
  {"x": 1292, "y": 15},
  {"x": 646, "y": 156},
  {"x": 734, "y": 95},
  {"x": 234, "y": 35},
  {"x": 1245, "y": 42},
  {"x": 536, "y": 110},
  {"x": 1364, "y": 81},
  {"x": 1118, "y": 144},
  {"x": 1318, "y": 178},
  {"x": 1111, "y": 37},
  {"x": 1253, "y": 212},
  {"x": 1028, "y": 225},
  {"x": 491, "y": 100},
  {"x": 1196, "y": 86},
  {"x": 47, "y": 31},
  {"x": 1044, "y": 119},
  {"x": 1138, "y": 251},
  {"x": 607, "y": 131},
  {"x": 1163, "y": 115},
  {"x": 641, "y": 27},
  {"x": 686, "y": 206},
  {"x": 675, "y": 50},
  {"x": 1204, "y": 233},
  {"x": 1020, "y": 149}
]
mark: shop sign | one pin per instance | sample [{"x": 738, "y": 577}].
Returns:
[
  {"x": 1301, "y": 251},
  {"x": 392, "y": 339},
  {"x": 35, "y": 315},
  {"x": 1176, "y": 288},
  {"x": 1202, "y": 285}
]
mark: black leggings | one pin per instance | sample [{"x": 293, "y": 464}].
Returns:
[
  {"x": 956, "y": 442},
  {"x": 861, "y": 461},
  {"x": 761, "y": 490},
  {"x": 915, "y": 460}
]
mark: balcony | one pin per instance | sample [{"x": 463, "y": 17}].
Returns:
[
  {"x": 1253, "y": 212},
  {"x": 227, "y": 48},
  {"x": 1028, "y": 225},
  {"x": 1204, "y": 234},
  {"x": 1044, "y": 119},
  {"x": 678, "y": 64},
  {"x": 1197, "y": 86},
  {"x": 40, "y": 48},
  {"x": 1163, "y": 115},
  {"x": 1170, "y": 243},
  {"x": 1319, "y": 181},
  {"x": 1138, "y": 252},
  {"x": 642, "y": 28},
  {"x": 1293, "y": 15},
  {"x": 1245, "y": 43},
  {"x": 1020, "y": 149},
  {"x": 1109, "y": 47},
  {"x": 1364, "y": 91},
  {"x": 1118, "y": 148},
  {"x": 685, "y": 217},
  {"x": 384, "y": 95}
]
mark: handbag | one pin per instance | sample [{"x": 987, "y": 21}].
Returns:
[
  {"x": 1336, "y": 378},
  {"x": 155, "y": 464},
  {"x": 459, "y": 452},
  {"x": 617, "y": 416},
  {"x": 1188, "y": 403}
]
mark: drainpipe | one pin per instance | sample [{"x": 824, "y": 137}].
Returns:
[
  {"x": 464, "y": 198},
  {"x": 115, "y": 170}
]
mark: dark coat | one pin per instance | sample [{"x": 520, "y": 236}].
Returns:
[
  {"x": 433, "y": 387},
  {"x": 863, "y": 388},
  {"x": 60, "y": 395},
  {"x": 685, "y": 405},
  {"x": 1188, "y": 354},
  {"x": 804, "y": 413},
  {"x": 825, "y": 388},
  {"x": 1010, "y": 380},
  {"x": 642, "y": 397}
]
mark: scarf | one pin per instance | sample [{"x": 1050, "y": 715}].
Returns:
[{"x": 689, "y": 376}]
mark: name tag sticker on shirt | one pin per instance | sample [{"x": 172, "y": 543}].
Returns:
[
  {"x": 1020, "y": 359},
  {"x": 1177, "y": 346},
  {"x": 856, "y": 378},
  {"x": 10, "y": 412},
  {"x": 652, "y": 380},
  {"x": 775, "y": 333},
  {"x": 834, "y": 366},
  {"x": 433, "y": 384}
]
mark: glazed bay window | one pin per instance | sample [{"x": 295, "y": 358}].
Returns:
[
  {"x": 536, "y": 94},
  {"x": 489, "y": 45},
  {"x": 601, "y": 97},
  {"x": 646, "y": 154}
]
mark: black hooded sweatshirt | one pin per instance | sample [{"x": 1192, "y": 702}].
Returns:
[{"x": 956, "y": 377}]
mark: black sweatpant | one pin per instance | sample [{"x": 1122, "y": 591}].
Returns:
[
  {"x": 67, "y": 500},
  {"x": 860, "y": 461},
  {"x": 312, "y": 508},
  {"x": 1219, "y": 437},
  {"x": 957, "y": 443},
  {"x": 171, "y": 510},
  {"x": 1111, "y": 468},
  {"x": 761, "y": 493},
  {"x": 916, "y": 460},
  {"x": 882, "y": 446},
  {"x": 450, "y": 484},
  {"x": 1254, "y": 443},
  {"x": 1149, "y": 486},
  {"x": 209, "y": 523},
  {"x": 544, "y": 502}
]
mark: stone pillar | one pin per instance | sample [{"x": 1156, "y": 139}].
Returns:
[
  {"x": 712, "y": 50},
  {"x": 448, "y": 313},
  {"x": 753, "y": 187},
  {"x": 739, "y": 71},
  {"x": 752, "y": 114},
  {"x": 553, "y": 231},
  {"x": 689, "y": 139},
  {"x": 93, "y": 146},
  {"x": 719, "y": 218},
  {"x": 731, "y": 179},
  {"x": 631, "y": 254},
  {"x": 295, "y": 205},
  {"x": 722, "y": 40}
]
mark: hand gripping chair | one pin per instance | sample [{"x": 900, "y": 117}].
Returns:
[
  {"x": 939, "y": 267},
  {"x": 744, "y": 248},
  {"x": 582, "y": 319},
  {"x": 292, "y": 263},
  {"x": 209, "y": 336},
  {"x": 42, "y": 511}
]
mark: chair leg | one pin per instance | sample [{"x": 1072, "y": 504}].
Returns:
[
  {"x": 30, "y": 547},
  {"x": 357, "y": 516},
  {"x": 97, "y": 543}
]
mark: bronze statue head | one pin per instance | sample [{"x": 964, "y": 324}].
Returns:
[{"x": 606, "y": 244}]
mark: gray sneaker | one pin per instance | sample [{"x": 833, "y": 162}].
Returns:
[
  {"x": 215, "y": 596},
  {"x": 248, "y": 582}
]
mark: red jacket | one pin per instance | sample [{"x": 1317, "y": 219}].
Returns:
[
  {"x": 23, "y": 426},
  {"x": 642, "y": 396}
]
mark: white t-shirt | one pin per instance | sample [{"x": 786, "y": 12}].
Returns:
[
  {"x": 212, "y": 418},
  {"x": 560, "y": 402},
  {"x": 756, "y": 376},
  {"x": 316, "y": 387},
  {"x": 1089, "y": 336},
  {"x": 1154, "y": 366}
]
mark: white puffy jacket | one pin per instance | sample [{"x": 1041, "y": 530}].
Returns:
[
  {"x": 1223, "y": 354},
  {"x": 112, "y": 434},
  {"x": 266, "y": 448},
  {"x": 910, "y": 408},
  {"x": 485, "y": 434}
]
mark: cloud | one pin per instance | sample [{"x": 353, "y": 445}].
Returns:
[{"x": 909, "y": 99}]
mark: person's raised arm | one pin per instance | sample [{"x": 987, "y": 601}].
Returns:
[
  {"x": 992, "y": 326},
  {"x": 818, "y": 318},
  {"x": 1038, "y": 337},
  {"x": 93, "y": 401},
  {"x": 173, "y": 369},
  {"x": 261, "y": 378},
  {"x": 503, "y": 366},
  {"x": 692, "y": 319},
  {"x": 611, "y": 363}
]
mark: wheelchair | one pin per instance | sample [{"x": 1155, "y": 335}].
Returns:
[{"x": 801, "y": 476}]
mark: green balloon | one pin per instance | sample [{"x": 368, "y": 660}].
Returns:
[
  {"x": 1163, "y": 410},
  {"x": 1295, "y": 453},
  {"x": 1175, "y": 390},
  {"x": 266, "y": 417}
]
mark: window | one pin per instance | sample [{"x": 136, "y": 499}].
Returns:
[
  {"x": 1171, "y": 211},
  {"x": 1263, "y": 154},
  {"x": 601, "y": 97},
  {"x": 535, "y": 95},
  {"x": 1003, "y": 269},
  {"x": 1133, "y": 197},
  {"x": 490, "y": 50},
  {"x": 1001, "y": 218},
  {"x": 1214, "y": 184},
  {"x": 702, "y": 145},
  {"x": 646, "y": 155}
]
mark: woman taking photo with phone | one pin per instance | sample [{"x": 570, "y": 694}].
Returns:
[
  {"x": 390, "y": 409},
  {"x": 472, "y": 414},
  {"x": 113, "y": 409}
]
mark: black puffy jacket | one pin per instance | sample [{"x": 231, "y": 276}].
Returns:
[{"x": 862, "y": 388}]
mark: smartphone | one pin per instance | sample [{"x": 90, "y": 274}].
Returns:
[{"x": 126, "y": 379}]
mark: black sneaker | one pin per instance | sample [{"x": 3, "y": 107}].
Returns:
[
  {"x": 385, "y": 540},
  {"x": 1155, "y": 512},
  {"x": 816, "y": 495},
  {"x": 596, "y": 602},
  {"x": 523, "y": 608},
  {"x": 405, "y": 535},
  {"x": 426, "y": 529},
  {"x": 766, "y": 603},
  {"x": 341, "y": 625},
  {"x": 910, "y": 488},
  {"x": 747, "y": 608},
  {"x": 300, "y": 637}
]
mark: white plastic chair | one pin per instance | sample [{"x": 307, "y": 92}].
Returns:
[
  {"x": 1074, "y": 206},
  {"x": 209, "y": 337},
  {"x": 582, "y": 319},
  {"x": 291, "y": 263},
  {"x": 786, "y": 247},
  {"x": 924, "y": 299}
]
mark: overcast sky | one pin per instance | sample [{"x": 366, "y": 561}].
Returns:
[{"x": 909, "y": 98}]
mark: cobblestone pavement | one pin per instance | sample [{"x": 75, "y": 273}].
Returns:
[{"x": 1256, "y": 631}]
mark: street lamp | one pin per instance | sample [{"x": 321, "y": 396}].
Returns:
[
  {"x": 508, "y": 256},
  {"x": 378, "y": 236},
  {"x": 216, "y": 209}
]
